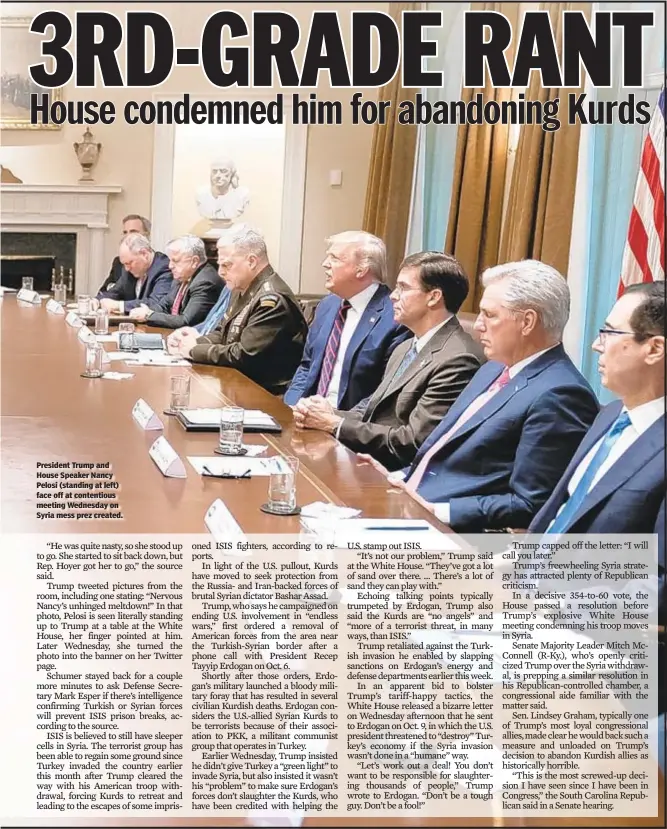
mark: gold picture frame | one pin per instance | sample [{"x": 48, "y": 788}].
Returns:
[{"x": 20, "y": 48}]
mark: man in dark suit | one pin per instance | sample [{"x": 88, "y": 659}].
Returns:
[
  {"x": 148, "y": 279},
  {"x": 263, "y": 331},
  {"x": 424, "y": 375},
  {"x": 502, "y": 447},
  {"x": 133, "y": 223},
  {"x": 353, "y": 332},
  {"x": 615, "y": 483},
  {"x": 196, "y": 289}
]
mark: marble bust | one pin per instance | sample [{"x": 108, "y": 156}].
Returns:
[{"x": 224, "y": 199}]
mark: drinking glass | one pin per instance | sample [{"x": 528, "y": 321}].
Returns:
[
  {"x": 126, "y": 336},
  {"x": 231, "y": 430},
  {"x": 27, "y": 283},
  {"x": 60, "y": 293},
  {"x": 101, "y": 321},
  {"x": 93, "y": 360},
  {"x": 179, "y": 397},
  {"x": 282, "y": 485},
  {"x": 83, "y": 305}
]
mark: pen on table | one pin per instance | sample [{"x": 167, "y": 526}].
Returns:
[{"x": 397, "y": 529}]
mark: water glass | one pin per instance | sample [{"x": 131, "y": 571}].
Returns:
[
  {"x": 179, "y": 397},
  {"x": 27, "y": 283},
  {"x": 282, "y": 485},
  {"x": 93, "y": 360},
  {"x": 83, "y": 305},
  {"x": 231, "y": 430},
  {"x": 126, "y": 328},
  {"x": 101, "y": 321},
  {"x": 60, "y": 293}
]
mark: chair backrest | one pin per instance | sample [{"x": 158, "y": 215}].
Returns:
[{"x": 309, "y": 303}]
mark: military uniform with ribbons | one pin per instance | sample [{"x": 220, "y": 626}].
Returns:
[{"x": 262, "y": 334}]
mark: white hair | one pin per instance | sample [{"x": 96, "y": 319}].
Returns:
[
  {"x": 135, "y": 243},
  {"x": 244, "y": 238},
  {"x": 532, "y": 284},
  {"x": 370, "y": 250},
  {"x": 189, "y": 244}
]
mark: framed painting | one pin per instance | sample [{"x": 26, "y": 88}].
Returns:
[{"x": 20, "y": 49}]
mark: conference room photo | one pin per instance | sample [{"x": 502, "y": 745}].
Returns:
[{"x": 359, "y": 277}]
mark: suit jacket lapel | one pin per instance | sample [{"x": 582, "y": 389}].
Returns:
[
  {"x": 640, "y": 453},
  {"x": 601, "y": 425},
  {"x": 437, "y": 342},
  {"x": 478, "y": 385},
  {"x": 368, "y": 320},
  {"x": 320, "y": 344},
  {"x": 505, "y": 394}
]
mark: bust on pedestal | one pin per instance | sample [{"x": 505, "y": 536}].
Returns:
[{"x": 223, "y": 201}]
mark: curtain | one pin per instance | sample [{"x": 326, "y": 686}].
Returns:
[
  {"x": 389, "y": 189},
  {"x": 538, "y": 221},
  {"x": 434, "y": 167},
  {"x": 480, "y": 168}
]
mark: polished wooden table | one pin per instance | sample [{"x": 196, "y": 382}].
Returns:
[{"x": 50, "y": 413}]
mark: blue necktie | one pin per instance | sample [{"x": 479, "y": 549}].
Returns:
[
  {"x": 215, "y": 314},
  {"x": 575, "y": 500},
  {"x": 408, "y": 357}
]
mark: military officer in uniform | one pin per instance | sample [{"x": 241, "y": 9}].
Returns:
[{"x": 263, "y": 332}]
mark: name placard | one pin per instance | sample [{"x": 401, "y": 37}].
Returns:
[
  {"x": 29, "y": 296},
  {"x": 85, "y": 335},
  {"x": 74, "y": 320},
  {"x": 145, "y": 416},
  {"x": 54, "y": 307},
  {"x": 222, "y": 525},
  {"x": 166, "y": 459}
]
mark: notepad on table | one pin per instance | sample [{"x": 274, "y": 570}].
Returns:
[{"x": 208, "y": 420}]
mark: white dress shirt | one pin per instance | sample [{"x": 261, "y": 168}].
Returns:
[
  {"x": 442, "y": 511},
  {"x": 420, "y": 343},
  {"x": 358, "y": 305}
]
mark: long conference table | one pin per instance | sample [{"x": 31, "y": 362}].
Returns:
[{"x": 50, "y": 413}]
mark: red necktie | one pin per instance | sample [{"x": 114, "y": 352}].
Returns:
[
  {"x": 481, "y": 400},
  {"x": 331, "y": 352},
  {"x": 176, "y": 307}
]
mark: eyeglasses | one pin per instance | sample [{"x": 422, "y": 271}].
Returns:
[{"x": 604, "y": 332}]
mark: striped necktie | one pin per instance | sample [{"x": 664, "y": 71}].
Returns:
[
  {"x": 574, "y": 502},
  {"x": 331, "y": 352},
  {"x": 408, "y": 357},
  {"x": 178, "y": 299}
]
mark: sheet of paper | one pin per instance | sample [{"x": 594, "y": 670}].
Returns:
[
  {"x": 218, "y": 465},
  {"x": 380, "y": 530},
  {"x": 150, "y": 358},
  {"x": 320, "y": 509},
  {"x": 117, "y": 375},
  {"x": 107, "y": 338}
]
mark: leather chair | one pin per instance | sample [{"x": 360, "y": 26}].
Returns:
[{"x": 309, "y": 303}]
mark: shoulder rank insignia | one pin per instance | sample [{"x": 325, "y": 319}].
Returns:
[{"x": 268, "y": 301}]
